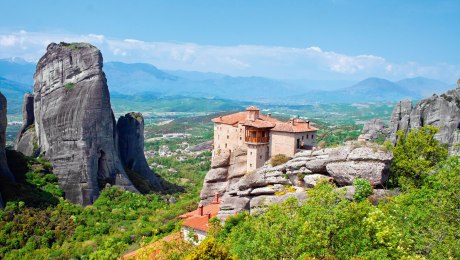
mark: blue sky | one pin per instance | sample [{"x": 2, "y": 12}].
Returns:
[{"x": 336, "y": 39}]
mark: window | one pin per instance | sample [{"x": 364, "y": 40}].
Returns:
[
  {"x": 240, "y": 138},
  {"x": 225, "y": 145},
  {"x": 250, "y": 165},
  {"x": 307, "y": 136},
  {"x": 302, "y": 137},
  {"x": 312, "y": 136},
  {"x": 227, "y": 137},
  {"x": 260, "y": 156},
  {"x": 250, "y": 153}
]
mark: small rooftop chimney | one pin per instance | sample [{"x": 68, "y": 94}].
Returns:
[
  {"x": 200, "y": 209},
  {"x": 209, "y": 215},
  {"x": 253, "y": 113},
  {"x": 216, "y": 198},
  {"x": 291, "y": 121}
]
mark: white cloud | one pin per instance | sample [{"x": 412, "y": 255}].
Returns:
[{"x": 239, "y": 60}]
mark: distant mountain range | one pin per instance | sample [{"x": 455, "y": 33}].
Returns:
[{"x": 137, "y": 79}]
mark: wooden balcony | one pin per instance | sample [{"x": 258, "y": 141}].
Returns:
[{"x": 258, "y": 140}]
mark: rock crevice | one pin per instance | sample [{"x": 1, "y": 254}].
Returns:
[
  {"x": 241, "y": 191},
  {"x": 4, "y": 170},
  {"x": 441, "y": 111}
]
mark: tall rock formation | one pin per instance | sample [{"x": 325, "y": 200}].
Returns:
[
  {"x": 26, "y": 141},
  {"x": 4, "y": 170},
  {"x": 131, "y": 145},
  {"x": 440, "y": 111},
  {"x": 74, "y": 122}
]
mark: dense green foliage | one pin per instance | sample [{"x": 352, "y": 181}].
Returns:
[
  {"x": 415, "y": 156},
  {"x": 38, "y": 223},
  {"x": 420, "y": 223},
  {"x": 363, "y": 189},
  {"x": 209, "y": 250}
]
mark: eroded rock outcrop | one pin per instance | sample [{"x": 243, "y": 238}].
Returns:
[
  {"x": 226, "y": 169},
  {"x": 373, "y": 129},
  {"x": 241, "y": 191},
  {"x": 131, "y": 146},
  {"x": 74, "y": 123},
  {"x": 440, "y": 111},
  {"x": 26, "y": 141},
  {"x": 4, "y": 170}
]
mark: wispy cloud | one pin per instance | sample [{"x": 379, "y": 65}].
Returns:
[{"x": 239, "y": 60}]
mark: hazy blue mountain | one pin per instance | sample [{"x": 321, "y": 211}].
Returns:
[
  {"x": 17, "y": 69},
  {"x": 14, "y": 93},
  {"x": 140, "y": 79},
  {"x": 368, "y": 90},
  {"x": 377, "y": 89},
  {"x": 424, "y": 86}
]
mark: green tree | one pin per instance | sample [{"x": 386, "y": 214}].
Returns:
[
  {"x": 415, "y": 156},
  {"x": 427, "y": 219},
  {"x": 209, "y": 249}
]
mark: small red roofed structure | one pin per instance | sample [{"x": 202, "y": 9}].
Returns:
[{"x": 196, "y": 223}]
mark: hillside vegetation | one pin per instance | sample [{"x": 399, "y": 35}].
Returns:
[{"x": 420, "y": 223}]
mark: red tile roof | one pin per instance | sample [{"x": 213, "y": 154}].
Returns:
[
  {"x": 198, "y": 219},
  {"x": 212, "y": 208},
  {"x": 259, "y": 123},
  {"x": 298, "y": 126},
  {"x": 263, "y": 121}
]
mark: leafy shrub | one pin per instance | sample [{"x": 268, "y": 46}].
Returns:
[
  {"x": 279, "y": 159},
  {"x": 363, "y": 189},
  {"x": 415, "y": 156},
  {"x": 69, "y": 86},
  {"x": 209, "y": 249},
  {"x": 388, "y": 146}
]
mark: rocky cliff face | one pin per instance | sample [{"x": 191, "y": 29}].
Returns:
[
  {"x": 242, "y": 191},
  {"x": 373, "y": 129},
  {"x": 74, "y": 123},
  {"x": 131, "y": 145},
  {"x": 440, "y": 111},
  {"x": 26, "y": 141},
  {"x": 4, "y": 170},
  {"x": 226, "y": 170}
]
